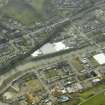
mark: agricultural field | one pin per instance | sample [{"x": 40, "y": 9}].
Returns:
[
  {"x": 97, "y": 100},
  {"x": 93, "y": 90},
  {"x": 94, "y": 95}
]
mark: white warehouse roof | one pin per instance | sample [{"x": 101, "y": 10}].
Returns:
[
  {"x": 100, "y": 58},
  {"x": 50, "y": 48}
]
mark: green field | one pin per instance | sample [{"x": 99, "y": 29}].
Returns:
[
  {"x": 38, "y": 4},
  {"x": 51, "y": 73},
  {"x": 88, "y": 94},
  {"x": 35, "y": 85},
  {"x": 92, "y": 90},
  {"x": 25, "y": 12},
  {"x": 97, "y": 100}
]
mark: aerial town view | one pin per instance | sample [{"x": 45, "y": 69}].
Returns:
[{"x": 52, "y": 52}]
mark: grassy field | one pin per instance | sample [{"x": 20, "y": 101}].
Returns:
[
  {"x": 91, "y": 93},
  {"x": 35, "y": 85},
  {"x": 97, "y": 100},
  {"x": 38, "y": 4},
  {"x": 92, "y": 90},
  {"x": 51, "y": 73},
  {"x": 25, "y": 12}
]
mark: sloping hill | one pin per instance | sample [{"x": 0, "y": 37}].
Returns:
[{"x": 25, "y": 11}]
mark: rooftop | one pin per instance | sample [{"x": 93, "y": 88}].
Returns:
[
  {"x": 100, "y": 58},
  {"x": 50, "y": 48}
]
